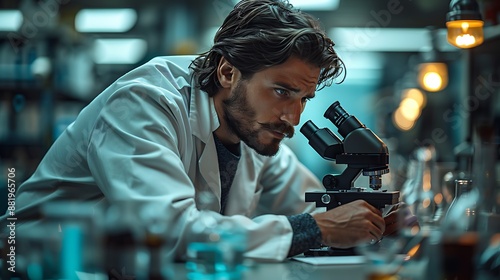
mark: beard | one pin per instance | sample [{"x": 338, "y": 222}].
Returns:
[{"x": 240, "y": 118}]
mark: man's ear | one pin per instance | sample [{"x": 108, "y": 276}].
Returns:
[{"x": 225, "y": 72}]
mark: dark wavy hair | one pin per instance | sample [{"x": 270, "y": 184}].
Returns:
[{"x": 258, "y": 34}]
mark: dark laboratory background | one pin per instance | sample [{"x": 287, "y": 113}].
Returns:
[{"x": 57, "y": 55}]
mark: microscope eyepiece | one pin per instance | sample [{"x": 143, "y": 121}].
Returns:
[
  {"x": 341, "y": 119},
  {"x": 323, "y": 141},
  {"x": 336, "y": 114},
  {"x": 308, "y": 129}
]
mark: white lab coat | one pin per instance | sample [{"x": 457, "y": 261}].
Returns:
[{"x": 148, "y": 138}]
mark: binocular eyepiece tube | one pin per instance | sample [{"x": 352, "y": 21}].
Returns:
[
  {"x": 336, "y": 114},
  {"x": 345, "y": 122}
]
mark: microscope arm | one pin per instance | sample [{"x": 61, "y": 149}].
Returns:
[{"x": 344, "y": 181}]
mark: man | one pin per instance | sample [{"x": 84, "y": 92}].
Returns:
[{"x": 179, "y": 129}]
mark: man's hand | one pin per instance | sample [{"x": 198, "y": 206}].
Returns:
[
  {"x": 350, "y": 224},
  {"x": 399, "y": 217}
]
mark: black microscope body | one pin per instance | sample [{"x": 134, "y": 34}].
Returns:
[{"x": 362, "y": 151}]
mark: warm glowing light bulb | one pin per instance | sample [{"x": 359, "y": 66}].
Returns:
[
  {"x": 465, "y": 33},
  {"x": 417, "y": 95},
  {"x": 400, "y": 121},
  {"x": 410, "y": 109},
  {"x": 465, "y": 40},
  {"x": 433, "y": 80},
  {"x": 433, "y": 76}
]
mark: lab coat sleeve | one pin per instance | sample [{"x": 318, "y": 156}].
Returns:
[
  {"x": 285, "y": 180},
  {"x": 134, "y": 155},
  {"x": 133, "y": 149}
]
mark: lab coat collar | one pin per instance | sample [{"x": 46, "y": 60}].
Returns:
[{"x": 199, "y": 104}]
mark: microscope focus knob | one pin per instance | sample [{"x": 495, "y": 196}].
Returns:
[
  {"x": 329, "y": 181},
  {"x": 326, "y": 199}
]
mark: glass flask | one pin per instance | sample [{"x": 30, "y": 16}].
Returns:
[{"x": 215, "y": 249}]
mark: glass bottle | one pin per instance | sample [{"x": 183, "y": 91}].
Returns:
[
  {"x": 464, "y": 154},
  {"x": 486, "y": 170},
  {"x": 158, "y": 255},
  {"x": 215, "y": 248},
  {"x": 461, "y": 215},
  {"x": 215, "y": 243},
  {"x": 459, "y": 233},
  {"x": 202, "y": 247},
  {"x": 124, "y": 254},
  {"x": 423, "y": 201},
  {"x": 422, "y": 192}
]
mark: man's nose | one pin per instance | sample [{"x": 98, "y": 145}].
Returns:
[{"x": 291, "y": 113}]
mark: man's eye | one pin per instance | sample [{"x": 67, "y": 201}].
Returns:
[{"x": 281, "y": 91}]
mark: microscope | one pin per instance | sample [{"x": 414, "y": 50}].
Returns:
[{"x": 362, "y": 151}]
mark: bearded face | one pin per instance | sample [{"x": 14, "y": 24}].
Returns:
[
  {"x": 264, "y": 138},
  {"x": 263, "y": 109}
]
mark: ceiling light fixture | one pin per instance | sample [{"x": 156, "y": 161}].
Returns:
[
  {"x": 105, "y": 20},
  {"x": 10, "y": 20},
  {"x": 386, "y": 39},
  {"x": 317, "y": 5},
  {"x": 119, "y": 51},
  {"x": 308, "y": 5},
  {"x": 432, "y": 71},
  {"x": 465, "y": 24}
]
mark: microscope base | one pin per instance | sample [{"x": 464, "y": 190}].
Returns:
[{"x": 330, "y": 251}]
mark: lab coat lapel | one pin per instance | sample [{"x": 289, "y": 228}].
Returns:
[
  {"x": 209, "y": 168},
  {"x": 204, "y": 121}
]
